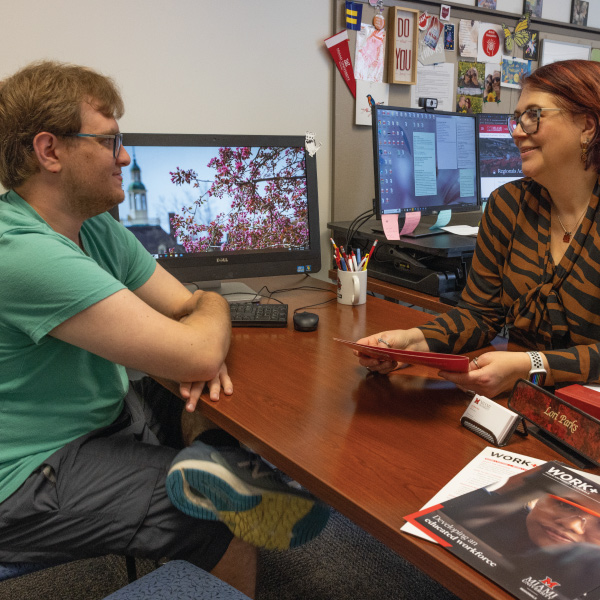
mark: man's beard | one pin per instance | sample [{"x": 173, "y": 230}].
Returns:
[{"x": 85, "y": 202}]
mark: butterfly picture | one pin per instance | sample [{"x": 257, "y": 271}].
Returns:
[{"x": 520, "y": 36}]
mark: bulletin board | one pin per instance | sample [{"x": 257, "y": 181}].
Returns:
[{"x": 353, "y": 170}]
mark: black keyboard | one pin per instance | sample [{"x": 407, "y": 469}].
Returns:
[{"x": 252, "y": 314}]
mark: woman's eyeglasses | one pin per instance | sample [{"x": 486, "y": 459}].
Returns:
[{"x": 529, "y": 120}]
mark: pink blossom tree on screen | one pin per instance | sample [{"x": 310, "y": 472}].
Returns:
[{"x": 268, "y": 209}]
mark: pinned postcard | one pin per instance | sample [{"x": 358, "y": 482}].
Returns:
[
  {"x": 530, "y": 50},
  {"x": 369, "y": 57},
  {"x": 467, "y": 38},
  {"x": 428, "y": 55},
  {"x": 513, "y": 71},
  {"x": 369, "y": 94},
  {"x": 433, "y": 33},
  {"x": 449, "y": 37}
]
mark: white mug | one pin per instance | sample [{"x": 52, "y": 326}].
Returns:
[{"x": 351, "y": 287}]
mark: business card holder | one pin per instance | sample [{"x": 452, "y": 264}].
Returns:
[{"x": 490, "y": 420}]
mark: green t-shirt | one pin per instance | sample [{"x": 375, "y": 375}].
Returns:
[{"x": 52, "y": 392}]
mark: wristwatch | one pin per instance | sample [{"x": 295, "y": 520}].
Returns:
[{"x": 537, "y": 373}]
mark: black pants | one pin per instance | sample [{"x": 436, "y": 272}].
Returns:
[{"x": 104, "y": 493}]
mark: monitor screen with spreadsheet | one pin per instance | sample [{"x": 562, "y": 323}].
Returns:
[{"x": 424, "y": 161}]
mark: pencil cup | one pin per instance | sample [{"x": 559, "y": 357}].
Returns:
[{"x": 352, "y": 287}]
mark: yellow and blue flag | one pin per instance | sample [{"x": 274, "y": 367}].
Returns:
[{"x": 353, "y": 15}]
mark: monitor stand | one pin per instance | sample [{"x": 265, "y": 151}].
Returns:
[
  {"x": 423, "y": 231},
  {"x": 423, "y": 228},
  {"x": 418, "y": 232},
  {"x": 232, "y": 291}
]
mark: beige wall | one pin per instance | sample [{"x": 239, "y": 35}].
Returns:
[{"x": 194, "y": 66}]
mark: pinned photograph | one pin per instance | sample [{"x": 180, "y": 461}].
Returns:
[
  {"x": 471, "y": 77},
  {"x": 493, "y": 74},
  {"x": 579, "y": 12},
  {"x": 491, "y": 4},
  {"x": 534, "y": 7}
]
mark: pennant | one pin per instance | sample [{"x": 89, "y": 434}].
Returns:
[{"x": 340, "y": 51}]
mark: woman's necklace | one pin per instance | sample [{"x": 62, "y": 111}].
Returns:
[{"x": 567, "y": 236}]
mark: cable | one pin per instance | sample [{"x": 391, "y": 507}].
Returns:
[
  {"x": 357, "y": 223},
  {"x": 300, "y": 287},
  {"x": 317, "y": 304}
]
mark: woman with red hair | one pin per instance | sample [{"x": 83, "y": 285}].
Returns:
[{"x": 536, "y": 266}]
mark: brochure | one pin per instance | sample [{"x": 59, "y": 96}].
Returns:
[
  {"x": 442, "y": 362},
  {"x": 490, "y": 466},
  {"x": 537, "y": 534}
]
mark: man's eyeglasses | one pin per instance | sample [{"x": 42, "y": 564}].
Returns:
[
  {"x": 117, "y": 139},
  {"x": 529, "y": 120}
]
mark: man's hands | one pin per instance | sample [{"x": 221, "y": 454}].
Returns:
[{"x": 191, "y": 391}]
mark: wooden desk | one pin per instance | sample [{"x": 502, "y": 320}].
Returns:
[{"x": 375, "y": 448}]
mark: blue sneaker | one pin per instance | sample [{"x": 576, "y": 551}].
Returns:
[{"x": 236, "y": 487}]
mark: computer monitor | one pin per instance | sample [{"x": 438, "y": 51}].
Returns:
[
  {"x": 219, "y": 207},
  {"x": 424, "y": 161},
  {"x": 499, "y": 158}
]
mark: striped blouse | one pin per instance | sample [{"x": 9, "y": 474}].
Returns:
[{"x": 514, "y": 282}]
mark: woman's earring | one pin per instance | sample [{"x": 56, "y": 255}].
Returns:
[{"x": 584, "y": 152}]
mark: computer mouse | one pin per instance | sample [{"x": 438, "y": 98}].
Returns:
[{"x": 305, "y": 321}]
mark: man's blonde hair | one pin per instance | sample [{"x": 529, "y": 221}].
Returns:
[{"x": 47, "y": 96}]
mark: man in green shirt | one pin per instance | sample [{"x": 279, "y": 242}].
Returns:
[{"x": 89, "y": 462}]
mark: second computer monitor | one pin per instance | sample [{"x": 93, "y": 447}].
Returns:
[
  {"x": 499, "y": 158},
  {"x": 424, "y": 162}
]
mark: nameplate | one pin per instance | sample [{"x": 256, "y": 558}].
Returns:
[{"x": 558, "y": 419}]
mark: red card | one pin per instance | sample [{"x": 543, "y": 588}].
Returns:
[{"x": 442, "y": 362}]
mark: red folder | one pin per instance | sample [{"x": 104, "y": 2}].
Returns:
[
  {"x": 581, "y": 397},
  {"x": 442, "y": 362}
]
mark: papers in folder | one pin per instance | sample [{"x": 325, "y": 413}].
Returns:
[{"x": 443, "y": 362}]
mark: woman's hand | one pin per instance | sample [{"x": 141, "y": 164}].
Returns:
[
  {"x": 191, "y": 391},
  {"x": 400, "y": 339},
  {"x": 492, "y": 373}
]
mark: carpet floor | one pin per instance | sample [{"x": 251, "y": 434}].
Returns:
[{"x": 343, "y": 563}]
